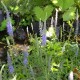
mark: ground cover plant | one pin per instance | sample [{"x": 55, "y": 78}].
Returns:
[
  {"x": 52, "y": 61},
  {"x": 49, "y": 56}
]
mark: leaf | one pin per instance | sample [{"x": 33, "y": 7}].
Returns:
[
  {"x": 43, "y": 13},
  {"x": 63, "y": 4},
  {"x": 48, "y": 11},
  {"x": 67, "y": 4},
  {"x": 38, "y": 12},
  {"x": 69, "y": 14},
  {"x": 3, "y": 25}
]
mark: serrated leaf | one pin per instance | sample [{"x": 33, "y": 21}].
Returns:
[{"x": 69, "y": 14}]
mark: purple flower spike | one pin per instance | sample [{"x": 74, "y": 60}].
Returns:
[
  {"x": 44, "y": 39},
  {"x": 9, "y": 25},
  {"x": 25, "y": 61},
  {"x": 11, "y": 69},
  {"x": 8, "y": 59},
  {"x": 9, "y": 28},
  {"x": 25, "y": 53}
]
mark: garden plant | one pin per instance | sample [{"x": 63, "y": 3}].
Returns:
[{"x": 52, "y": 53}]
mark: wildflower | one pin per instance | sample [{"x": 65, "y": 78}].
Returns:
[
  {"x": 44, "y": 39},
  {"x": 25, "y": 61},
  {"x": 44, "y": 34},
  {"x": 9, "y": 25},
  {"x": 11, "y": 69}
]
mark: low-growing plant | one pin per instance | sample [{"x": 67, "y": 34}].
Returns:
[{"x": 50, "y": 62}]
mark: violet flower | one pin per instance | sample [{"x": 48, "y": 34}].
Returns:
[
  {"x": 25, "y": 60},
  {"x": 9, "y": 25},
  {"x": 11, "y": 69},
  {"x": 44, "y": 39}
]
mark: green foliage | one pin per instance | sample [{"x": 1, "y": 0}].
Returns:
[
  {"x": 40, "y": 2},
  {"x": 53, "y": 61},
  {"x": 4, "y": 23},
  {"x": 63, "y": 4},
  {"x": 43, "y": 13},
  {"x": 67, "y": 7},
  {"x": 27, "y": 7},
  {"x": 69, "y": 14},
  {"x": 1, "y": 72},
  {"x": 9, "y": 2}
]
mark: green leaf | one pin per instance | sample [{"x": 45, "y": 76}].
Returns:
[
  {"x": 39, "y": 13},
  {"x": 69, "y": 14},
  {"x": 67, "y": 4},
  {"x": 48, "y": 11},
  {"x": 63, "y": 4},
  {"x": 3, "y": 25},
  {"x": 43, "y": 13}
]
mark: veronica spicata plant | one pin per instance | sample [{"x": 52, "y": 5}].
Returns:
[
  {"x": 11, "y": 69},
  {"x": 25, "y": 61},
  {"x": 44, "y": 34},
  {"x": 9, "y": 24}
]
